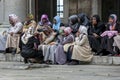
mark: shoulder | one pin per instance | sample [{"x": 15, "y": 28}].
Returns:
[{"x": 19, "y": 24}]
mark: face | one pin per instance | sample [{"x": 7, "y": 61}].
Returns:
[
  {"x": 110, "y": 20},
  {"x": 44, "y": 20},
  {"x": 78, "y": 19},
  {"x": 11, "y": 22},
  {"x": 94, "y": 21},
  {"x": 54, "y": 21}
]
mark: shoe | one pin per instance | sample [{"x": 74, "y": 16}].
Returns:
[{"x": 74, "y": 63}]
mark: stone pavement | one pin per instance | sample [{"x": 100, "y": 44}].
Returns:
[
  {"x": 60, "y": 72},
  {"x": 97, "y": 60}
]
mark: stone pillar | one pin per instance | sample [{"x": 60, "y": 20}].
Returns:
[
  {"x": 18, "y": 7},
  {"x": 94, "y": 7}
]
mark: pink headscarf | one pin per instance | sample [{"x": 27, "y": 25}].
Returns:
[
  {"x": 67, "y": 30},
  {"x": 13, "y": 18}
]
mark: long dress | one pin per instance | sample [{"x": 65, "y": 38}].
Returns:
[
  {"x": 82, "y": 49},
  {"x": 95, "y": 41},
  {"x": 106, "y": 46},
  {"x": 13, "y": 41}
]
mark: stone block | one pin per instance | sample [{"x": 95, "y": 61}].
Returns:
[{"x": 116, "y": 60}]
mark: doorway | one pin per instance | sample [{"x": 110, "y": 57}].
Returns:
[
  {"x": 48, "y": 7},
  {"x": 110, "y": 7}
]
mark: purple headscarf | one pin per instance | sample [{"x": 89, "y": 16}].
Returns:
[{"x": 44, "y": 16}]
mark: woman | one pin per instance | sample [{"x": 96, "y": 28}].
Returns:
[
  {"x": 81, "y": 49},
  {"x": 30, "y": 22},
  {"x": 14, "y": 33},
  {"x": 94, "y": 32},
  {"x": 56, "y": 23},
  {"x": 83, "y": 20},
  {"x": 112, "y": 30},
  {"x": 43, "y": 24},
  {"x": 30, "y": 51},
  {"x": 73, "y": 23}
]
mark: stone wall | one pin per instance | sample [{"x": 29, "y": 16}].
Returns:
[{"x": 18, "y": 7}]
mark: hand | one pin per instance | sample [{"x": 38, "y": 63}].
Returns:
[
  {"x": 95, "y": 35},
  {"x": 11, "y": 33}
]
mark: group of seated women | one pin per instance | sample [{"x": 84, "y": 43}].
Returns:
[{"x": 58, "y": 43}]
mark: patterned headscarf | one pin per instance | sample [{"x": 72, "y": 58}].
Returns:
[
  {"x": 44, "y": 16},
  {"x": 30, "y": 16},
  {"x": 13, "y": 18},
  {"x": 114, "y": 17},
  {"x": 67, "y": 30}
]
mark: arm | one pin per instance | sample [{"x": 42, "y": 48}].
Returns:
[
  {"x": 68, "y": 40},
  {"x": 19, "y": 27},
  {"x": 82, "y": 41}
]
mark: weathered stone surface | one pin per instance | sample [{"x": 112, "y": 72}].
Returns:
[
  {"x": 116, "y": 60},
  {"x": 21, "y": 66}
]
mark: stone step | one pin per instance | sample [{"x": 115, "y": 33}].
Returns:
[{"x": 97, "y": 60}]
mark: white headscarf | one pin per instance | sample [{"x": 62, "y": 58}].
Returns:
[
  {"x": 83, "y": 30},
  {"x": 14, "y": 18}
]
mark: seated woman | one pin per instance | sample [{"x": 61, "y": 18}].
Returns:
[
  {"x": 94, "y": 32},
  {"x": 112, "y": 29},
  {"x": 43, "y": 24},
  {"x": 56, "y": 23},
  {"x": 81, "y": 48},
  {"x": 116, "y": 45},
  {"x": 83, "y": 20},
  {"x": 30, "y": 51},
  {"x": 14, "y": 34},
  {"x": 73, "y": 23},
  {"x": 30, "y": 23}
]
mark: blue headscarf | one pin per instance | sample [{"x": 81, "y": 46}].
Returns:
[{"x": 58, "y": 22}]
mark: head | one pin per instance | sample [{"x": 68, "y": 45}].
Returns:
[
  {"x": 44, "y": 18},
  {"x": 112, "y": 19},
  {"x": 73, "y": 19},
  {"x": 61, "y": 31},
  {"x": 95, "y": 19},
  {"x": 67, "y": 31},
  {"x": 83, "y": 19},
  {"x": 30, "y": 17},
  {"x": 82, "y": 30},
  {"x": 13, "y": 19},
  {"x": 56, "y": 20}
]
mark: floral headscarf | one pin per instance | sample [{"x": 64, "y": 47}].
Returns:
[
  {"x": 30, "y": 16},
  {"x": 13, "y": 18}
]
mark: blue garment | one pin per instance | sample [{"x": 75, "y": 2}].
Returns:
[{"x": 58, "y": 22}]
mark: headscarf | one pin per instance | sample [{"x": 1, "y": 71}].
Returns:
[
  {"x": 61, "y": 30},
  {"x": 56, "y": 26},
  {"x": 73, "y": 23},
  {"x": 73, "y": 19},
  {"x": 67, "y": 30},
  {"x": 114, "y": 17},
  {"x": 13, "y": 18},
  {"x": 84, "y": 20},
  {"x": 44, "y": 16},
  {"x": 83, "y": 30},
  {"x": 30, "y": 16}
]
